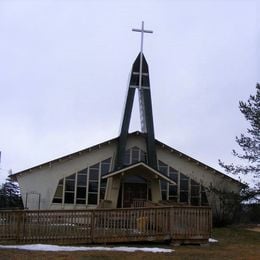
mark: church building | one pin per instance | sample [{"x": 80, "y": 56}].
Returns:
[{"x": 131, "y": 170}]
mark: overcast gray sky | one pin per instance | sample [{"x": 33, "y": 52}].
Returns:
[{"x": 64, "y": 68}]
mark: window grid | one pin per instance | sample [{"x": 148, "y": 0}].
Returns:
[
  {"x": 184, "y": 189},
  {"x": 173, "y": 189},
  {"x": 74, "y": 189},
  {"x": 195, "y": 193},
  {"x": 69, "y": 196},
  {"x": 94, "y": 177},
  {"x": 163, "y": 184},
  {"x": 134, "y": 155},
  {"x": 81, "y": 188}
]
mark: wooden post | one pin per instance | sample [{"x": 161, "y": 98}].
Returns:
[
  {"x": 210, "y": 221},
  {"x": 171, "y": 221},
  {"x": 92, "y": 226},
  {"x": 19, "y": 217}
]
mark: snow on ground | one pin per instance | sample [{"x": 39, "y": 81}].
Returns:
[
  {"x": 212, "y": 240},
  {"x": 42, "y": 247}
]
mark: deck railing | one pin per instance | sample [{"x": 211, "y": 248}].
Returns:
[{"x": 106, "y": 225}]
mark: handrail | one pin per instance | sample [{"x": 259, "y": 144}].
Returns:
[{"x": 106, "y": 225}]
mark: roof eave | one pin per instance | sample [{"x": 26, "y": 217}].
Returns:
[
  {"x": 132, "y": 166},
  {"x": 98, "y": 146}
]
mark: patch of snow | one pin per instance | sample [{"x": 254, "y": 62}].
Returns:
[
  {"x": 63, "y": 224},
  {"x": 212, "y": 240},
  {"x": 43, "y": 247}
]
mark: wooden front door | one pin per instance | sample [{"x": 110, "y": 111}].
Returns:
[{"x": 133, "y": 191}]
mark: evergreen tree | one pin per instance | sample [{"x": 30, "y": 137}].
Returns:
[
  {"x": 249, "y": 144},
  {"x": 10, "y": 196}
]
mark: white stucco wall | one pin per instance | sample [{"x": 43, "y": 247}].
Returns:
[{"x": 44, "y": 180}]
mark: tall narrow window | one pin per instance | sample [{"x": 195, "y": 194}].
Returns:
[
  {"x": 105, "y": 168},
  {"x": 70, "y": 189},
  {"x": 93, "y": 184},
  {"x": 204, "y": 199},
  {"x": 59, "y": 193},
  {"x": 135, "y": 154},
  {"x": 184, "y": 188},
  {"x": 163, "y": 168},
  {"x": 173, "y": 189},
  {"x": 81, "y": 186},
  {"x": 195, "y": 193}
]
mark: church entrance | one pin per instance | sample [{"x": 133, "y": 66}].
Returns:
[{"x": 133, "y": 191}]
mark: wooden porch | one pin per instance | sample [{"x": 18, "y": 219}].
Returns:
[{"x": 180, "y": 224}]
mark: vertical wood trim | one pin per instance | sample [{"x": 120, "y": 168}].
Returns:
[
  {"x": 178, "y": 190},
  {"x": 92, "y": 226},
  {"x": 189, "y": 190},
  {"x": 87, "y": 186},
  {"x": 99, "y": 183},
  {"x": 18, "y": 220},
  {"x": 75, "y": 189}
]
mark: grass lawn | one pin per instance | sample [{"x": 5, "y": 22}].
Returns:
[{"x": 234, "y": 243}]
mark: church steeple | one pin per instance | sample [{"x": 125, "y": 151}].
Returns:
[
  {"x": 144, "y": 84},
  {"x": 139, "y": 80}
]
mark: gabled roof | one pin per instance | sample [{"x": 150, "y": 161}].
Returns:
[
  {"x": 114, "y": 140},
  {"x": 145, "y": 169},
  {"x": 65, "y": 158}
]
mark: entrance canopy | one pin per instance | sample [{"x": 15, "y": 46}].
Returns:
[{"x": 140, "y": 169}]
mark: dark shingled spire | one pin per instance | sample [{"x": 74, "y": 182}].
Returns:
[
  {"x": 146, "y": 114},
  {"x": 134, "y": 81}
]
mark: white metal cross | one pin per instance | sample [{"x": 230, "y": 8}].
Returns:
[{"x": 142, "y": 31}]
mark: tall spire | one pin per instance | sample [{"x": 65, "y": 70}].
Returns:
[
  {"x": 139, "y": 80},
  {"x": 140, "y": 68},
  {"x": 143, "y": 85}
]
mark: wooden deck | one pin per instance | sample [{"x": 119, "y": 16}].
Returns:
[{"x": 179, "y": 224}]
